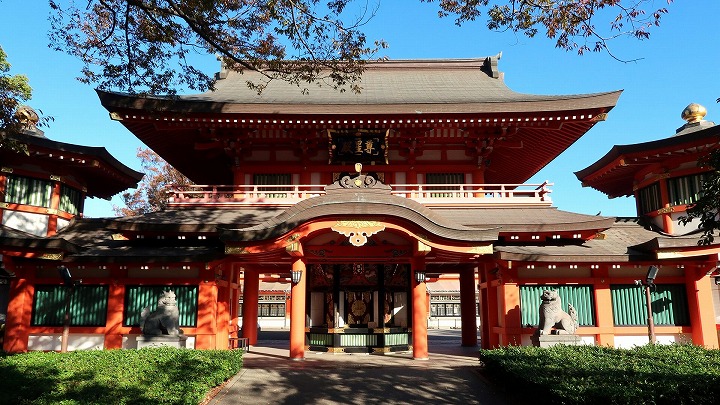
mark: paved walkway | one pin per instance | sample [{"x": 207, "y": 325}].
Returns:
[{"x": 269, "y": 377}]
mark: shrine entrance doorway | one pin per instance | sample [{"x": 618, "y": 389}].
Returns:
[{"x": 359, "y": 308}]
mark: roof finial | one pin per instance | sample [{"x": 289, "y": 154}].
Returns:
[{"x": 693, "y": 113}]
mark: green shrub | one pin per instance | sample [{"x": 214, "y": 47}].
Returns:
[
  {"x": 652, "y": 374},
  {"x": 146, "y": 376}
]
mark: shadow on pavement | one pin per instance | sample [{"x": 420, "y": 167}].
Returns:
[{"x": 450, "y": 376}]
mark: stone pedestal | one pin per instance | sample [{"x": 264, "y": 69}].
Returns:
[
  {"x": 552, "y": 340},
  {"x": 178, "y": 341}
]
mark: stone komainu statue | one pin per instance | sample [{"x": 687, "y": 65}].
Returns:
[
  {"x": 164, "y": 320},
  {"x": 553, "y": 316}
]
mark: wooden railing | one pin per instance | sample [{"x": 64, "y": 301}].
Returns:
[{"x": 428, "y": 194}]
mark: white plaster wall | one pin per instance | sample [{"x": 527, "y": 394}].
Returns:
[
  {"x": 36, "y": 224},
  {"x": 445, "y": 322},
  {"x": 628, "y": 342},
  {"x": 589, "y": 340},
  {"x": 62, "y": 223},
  {"x": 680, "y": 229},
  {"x": 130, "y": 342},
  {"x": 276, "y": 323},
  {"x": 75, "y": 342}
]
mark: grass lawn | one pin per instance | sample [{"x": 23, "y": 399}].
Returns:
[
  {"x": 652, "y": 374},
  {"x": 146, "y": 376}
]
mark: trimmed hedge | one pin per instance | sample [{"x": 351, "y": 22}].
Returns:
[
  {"x": 652, "y": 374},
  {"x": 145, "y": 376}
]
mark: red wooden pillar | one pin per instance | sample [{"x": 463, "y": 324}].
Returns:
[
  {"x": 468, "y": 312},
  {"x": 207, "y": 315},
  {"x": 700, "y": 304},
  {"x": 17, "y": 322},
  {"x": 490, "y": 311},
  {"x": 419, "y": 312},
  {"x": 114, "y": 324},
  {"x": 668, "y": 223},
  {"x": 603, "y": 307},
  {"x": 234, "y": 299},
  {"x": 297, "y": 312},
  {"x": 54, "y": 207},
  {"x": 251, "y": 288},
  {"x": 222, "y": 327},
  {"x": 509, "y": 294}
]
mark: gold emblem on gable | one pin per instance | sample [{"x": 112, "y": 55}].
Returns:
[{"x": 358, "y": 231}]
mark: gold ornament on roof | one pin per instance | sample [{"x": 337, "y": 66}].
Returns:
[
  {"x": 693, "y": 113},
  {"x": 27, "y": 116}
]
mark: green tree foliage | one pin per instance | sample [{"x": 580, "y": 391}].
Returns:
[
  {"x": 708, "y": 205},
  {"x": 14, "y": 91},
  {"x": 145, "y": 45},
  {"x": 152, "y": 193},
  {"x": 575, "y": 25}
]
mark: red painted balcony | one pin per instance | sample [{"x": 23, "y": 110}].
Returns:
[{"x": 432, "y": 195}]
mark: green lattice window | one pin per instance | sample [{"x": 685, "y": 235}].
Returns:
[
  {"x": 685, "y": 190},
  {"x": 28, "y": 191},
  {"x": 138, "y": 297},
  {"x": 271, "y": 310},
  {"x": 444, "y": 309},
  {"x": 668, "y": 301},
  {"x": 270, "y": 182},
  {"x": 70, "y": 200},
  {"x": 444, "y": 178},
  {"x": 649, "y": 199},
  {"x": 580, "y": 296},
  {"x": 88, "y": 306}
]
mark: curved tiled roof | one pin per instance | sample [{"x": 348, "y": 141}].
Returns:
[
  {"x": 11, "y": 238},
  {"x": 626, "y": 240},
  {"x": 104, "y": 175},
  {"x": 614, "y": 173},
  {"x": 370, "y": 204},
  {"x": 526, "y": 219},
  {"x": 388, "y": 87},
  {"x": 466, "y": 95}
]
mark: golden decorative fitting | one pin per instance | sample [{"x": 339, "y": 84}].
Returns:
[
  {"x": 6, "y": 169},
  {"x": 52, "y": 211},
  {"x": 116, "y": 116},
  {"x": 294, "y": 247},
  {"x": 665, "y": 210},
  {"x": 51, "y": 256},
  {"x": 358, "y": 231},
  {"x": 599, "y": 117},
  {"x": 423, "y": 248},
  {"x": 4, "y": 205},
  {"x": 235, "y": 250},
  {"x": 693, "y": 113},
  {"x": 27, "y": 117},
  {"x": 54, "y": 177}
]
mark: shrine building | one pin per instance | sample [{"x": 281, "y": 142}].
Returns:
[{"x": 343, "y": 214}]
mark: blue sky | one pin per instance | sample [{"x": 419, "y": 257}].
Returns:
[{"x": 678, "y": 65}]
